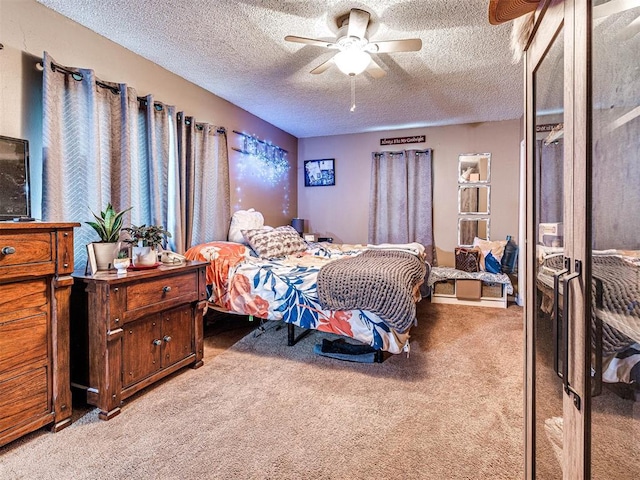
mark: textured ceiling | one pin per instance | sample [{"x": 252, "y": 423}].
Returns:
[{"x": 236, "y": 50}]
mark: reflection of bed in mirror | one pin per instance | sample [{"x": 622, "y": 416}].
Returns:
[{"x": 616, "y": 309}]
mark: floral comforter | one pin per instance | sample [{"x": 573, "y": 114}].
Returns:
[{"x": 285, "y": 290}]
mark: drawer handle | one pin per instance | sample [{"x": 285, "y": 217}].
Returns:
[
  {"x": 8, "y": 250},
  {"x": 167, "y": 338},
  {"x": 166, "y": 289},
  {"x": 157, "y": 342}
]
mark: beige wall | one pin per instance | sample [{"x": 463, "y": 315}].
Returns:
[
  {"x": 341, "y": 211},
  {"x": 27, "y": 29}
]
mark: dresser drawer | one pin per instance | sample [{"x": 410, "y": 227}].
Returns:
[
  {"x": 24, "y": 397},
  {"x": 23, "y": 341},
  {"x": 22, "y": 295},
  {"x": 26, "y": 249},
  {"x": 162, "y": 290}
]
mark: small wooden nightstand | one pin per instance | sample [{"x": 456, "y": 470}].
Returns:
[{"x": 129, "y": 331}]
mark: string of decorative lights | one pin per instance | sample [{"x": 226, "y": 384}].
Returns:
[{"x": 273, "y": 158}]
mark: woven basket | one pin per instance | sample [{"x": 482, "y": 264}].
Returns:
[
  {"x": 445, "y": 287},
  {"x": 492, "y": 290}
]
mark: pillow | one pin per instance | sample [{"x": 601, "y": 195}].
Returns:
[
  {"x": 496, "y": 248},
  {"x": 491, "y": 264},
  {"x": 275, "y": 243},
  {"x": 244, "y": 220}
]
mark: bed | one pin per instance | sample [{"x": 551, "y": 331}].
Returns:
[
  {"x": 616, "y": 308},
  {"x": 297, "y": 288}
]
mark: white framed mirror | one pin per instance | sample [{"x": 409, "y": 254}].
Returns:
[
  {"x": 474, "y": 199},
  {"x": 469, "y": 228},
  {"x": 474, "y": 168}
]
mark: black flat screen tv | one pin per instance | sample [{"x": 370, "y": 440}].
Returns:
[{"x": 14, "y": 179}]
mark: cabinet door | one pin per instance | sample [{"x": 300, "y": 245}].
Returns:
[
  {"x": 177, "y": 335},
  {"x": 142, "y": 345}
]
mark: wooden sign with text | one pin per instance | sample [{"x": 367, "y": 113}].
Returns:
[{"x": 402, "y": 140}]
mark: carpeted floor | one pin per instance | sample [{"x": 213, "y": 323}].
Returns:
[{"x": 258, "y": 409}]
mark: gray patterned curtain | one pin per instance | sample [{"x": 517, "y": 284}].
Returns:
[
  {"x": 204, "y": 183},
  {"x": 400, "y": 200},
  {"x": 159, "y": 155},
  {"x": 102, "y": 143},
  {"x": 85, "y": 149}
]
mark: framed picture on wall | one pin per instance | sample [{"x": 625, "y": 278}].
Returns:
[{"x": 319, "y": 173}]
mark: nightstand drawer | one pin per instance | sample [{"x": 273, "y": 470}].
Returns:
[
  {"x": 163, "y": 290},
  {"x": 25, "y": 249}
]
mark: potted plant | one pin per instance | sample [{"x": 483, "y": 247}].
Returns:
[
  {"x": 145, "y": 241},
  {"x": 108, "y": 227},
  {"x": 122, "y": 262}
]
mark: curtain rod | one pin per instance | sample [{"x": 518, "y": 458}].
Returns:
[
  {"x": 200, "y": 126},
  {"x": 400, "y": 152},
  {"x": 260, "y": 141},
  {"x": 77, "y": 76}
]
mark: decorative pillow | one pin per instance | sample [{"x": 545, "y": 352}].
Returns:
[
  {"x": 496, "y": 248},
  {"x": 275, "y": 243},
  {"x": 244, "y": 220},
  {"x": 491, "y": 264}
]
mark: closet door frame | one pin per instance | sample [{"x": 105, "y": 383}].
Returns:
[
  {"x": 577, "y": 421},
  {"x": 574, "y": 18}
]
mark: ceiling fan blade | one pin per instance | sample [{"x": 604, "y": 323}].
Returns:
[
  {"x": 309, "y": 41},
  {"x": 323, "y": 66},
  {"x": 358, "y": 22},
  {"x": 391, "y": 46},
  {"x": 375, "y": 70}
]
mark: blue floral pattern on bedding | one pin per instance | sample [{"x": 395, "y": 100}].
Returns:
[{"x": 285, "y": 289}]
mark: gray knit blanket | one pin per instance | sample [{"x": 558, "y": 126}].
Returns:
[{"x": 381, "y": 281}]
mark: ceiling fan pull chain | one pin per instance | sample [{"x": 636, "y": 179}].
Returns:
[{"x": 353, "y": 93}]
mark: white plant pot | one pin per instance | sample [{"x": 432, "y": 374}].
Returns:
[
  {"x": 105, "y": 253},
  {"x": 144, "y": 256},
  {"x": 121, "y": 264}
]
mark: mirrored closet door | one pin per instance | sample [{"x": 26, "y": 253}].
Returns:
[
  {"x": 548, "y": 183},
  {"x": 614, "y": 239},
  {"x": 583, "y": 246}
]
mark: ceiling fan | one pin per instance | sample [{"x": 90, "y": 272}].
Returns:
[{"x": 354, "y": 48}]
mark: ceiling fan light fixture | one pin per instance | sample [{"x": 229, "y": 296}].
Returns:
[{"x": 352, "y": 61}]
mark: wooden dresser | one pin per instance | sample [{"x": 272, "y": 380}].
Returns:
[
  {"x": 129, "y": 331},
  {"x": 36, "y": 262}
]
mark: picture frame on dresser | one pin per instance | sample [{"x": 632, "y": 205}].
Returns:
[{"x": 92, "y": 263}]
